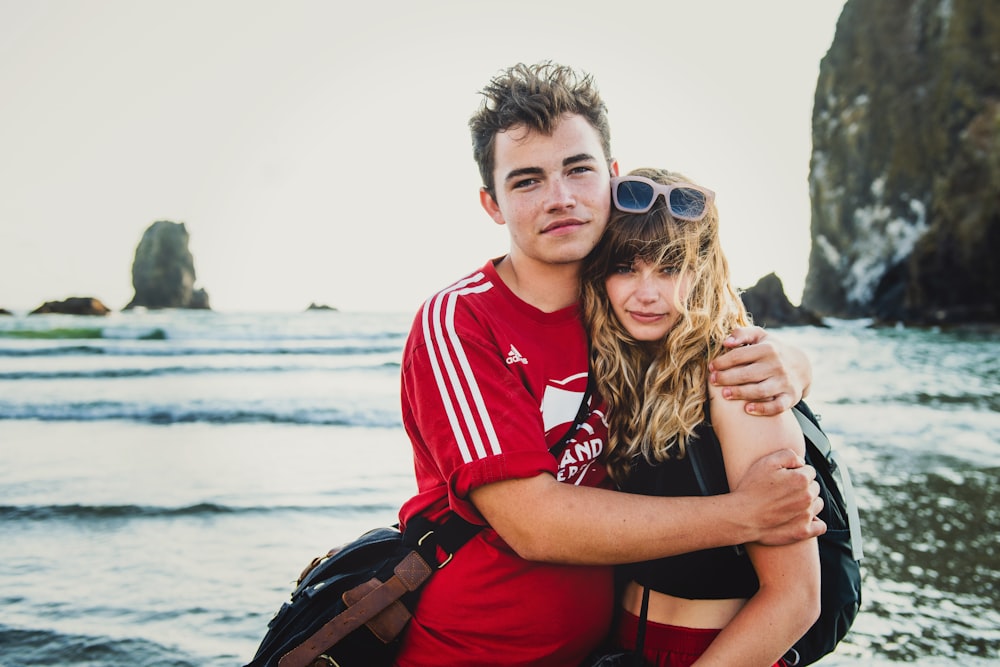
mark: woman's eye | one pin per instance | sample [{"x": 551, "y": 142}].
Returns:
[
  {"x": 622, "y": 268},
  {"x": 670, "y": 270}
]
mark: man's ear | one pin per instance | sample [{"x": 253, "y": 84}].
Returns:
[
  {"x": 613, "y": 167},
  {"x": 491, "y": 207}
]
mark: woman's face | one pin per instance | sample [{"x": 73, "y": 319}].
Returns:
[{"x": 644, "y": 298}]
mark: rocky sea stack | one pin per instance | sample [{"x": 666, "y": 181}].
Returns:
[
  {"x": 769, "y": 307},
  {"x": 905, "y": 168},
  {"x": 75, "y": 305},
  {"x": 163, "y": 271}
]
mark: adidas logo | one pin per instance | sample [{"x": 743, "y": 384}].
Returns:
[{"x": 514, "y": 357}]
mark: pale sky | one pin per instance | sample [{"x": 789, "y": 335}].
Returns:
[{"x": 318, "y": 151}]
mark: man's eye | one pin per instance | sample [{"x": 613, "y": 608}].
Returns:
[{"x": 525, "y": 183}]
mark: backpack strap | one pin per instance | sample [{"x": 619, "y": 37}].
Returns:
[
  {"x": 709, "y": 469},
  {"x": 438, "y": 542},
  {"x": 821, "y": 442},
  {"x": 581, "y": 415},
  {"x": 639, "y": 659},
  {"x": 705, "y": 453}
]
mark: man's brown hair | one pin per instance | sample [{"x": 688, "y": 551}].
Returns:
[{"x": 535, "y": 96}]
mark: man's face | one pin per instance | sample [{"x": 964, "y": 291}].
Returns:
[{"x": 552, "y": 192}]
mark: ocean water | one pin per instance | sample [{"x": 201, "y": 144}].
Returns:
[{"x": 166, "y": 475}]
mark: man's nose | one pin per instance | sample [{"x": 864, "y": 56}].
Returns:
[{"x": 560, "y": 194}]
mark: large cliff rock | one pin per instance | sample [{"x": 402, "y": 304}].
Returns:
[
  {"x": 163, "y": 271},
  {"x": 905, "y": 169}
]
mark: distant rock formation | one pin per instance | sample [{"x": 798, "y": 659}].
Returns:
[
  {"x": 163, "y": 271},
  {"x": 75, "y": 305},
  {"x": 319, "y": 306},
  {"x": 769, "y": 307},
  {"x": 905, "y": 168},
  {"x": 4, "y": 311}
]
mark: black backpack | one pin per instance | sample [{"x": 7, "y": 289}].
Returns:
[
  {"x": 840, "y": 548},
  {"x": 351, "y": 606}
]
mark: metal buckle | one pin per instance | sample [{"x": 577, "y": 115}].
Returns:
[{"x": 420, "y": 543}]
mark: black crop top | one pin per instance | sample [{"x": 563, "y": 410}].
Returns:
[{"x": 711, "y": 574}]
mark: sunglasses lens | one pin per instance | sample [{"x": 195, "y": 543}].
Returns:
[
  {"x": 687, "y": 203},
  {"x": 634, "y": 196}
]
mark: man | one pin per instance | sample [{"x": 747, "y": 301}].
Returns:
[{"x": 493, "y": 375}]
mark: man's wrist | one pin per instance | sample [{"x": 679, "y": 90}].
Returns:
[{"x": 740, "y": 528}]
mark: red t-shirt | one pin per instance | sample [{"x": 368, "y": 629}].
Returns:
[{"x": 489, "y": 384}]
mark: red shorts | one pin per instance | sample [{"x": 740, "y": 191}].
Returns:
[{"x": 667, "y": 645}]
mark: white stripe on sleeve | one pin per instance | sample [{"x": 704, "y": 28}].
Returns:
[{"x": 451, "y": 365}]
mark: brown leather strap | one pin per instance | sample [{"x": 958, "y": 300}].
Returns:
[
  {"x": 408, "y": 575},
  {"x": 390, "y": 621}
]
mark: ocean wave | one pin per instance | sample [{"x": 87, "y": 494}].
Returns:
[
  {"x": 985, "y": 402},
  {"x": 62, "y": 350},
  {"x": 24, "y": 646},
  {"x": 178, "y": 350},
  {"x": 78, "y": 512},
  {"x": 121, "y": 373},
  {"x": 96, "y": 512},
  {"x": 166, "y": 415},
  {"x": 74, "y": 333}
]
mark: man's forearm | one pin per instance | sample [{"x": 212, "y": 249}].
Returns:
[{"x": 544, "y": 520}]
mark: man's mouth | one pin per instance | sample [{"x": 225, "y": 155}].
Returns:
[{"x": 562, "y": 224}]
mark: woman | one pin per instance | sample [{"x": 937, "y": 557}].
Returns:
[{"x": 659, "y": 303}]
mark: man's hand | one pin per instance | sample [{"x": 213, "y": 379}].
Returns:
[
  {"x": 781, "y": 499},
  {"x": 759, "y": 369}
]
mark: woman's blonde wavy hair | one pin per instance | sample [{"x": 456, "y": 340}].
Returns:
[{"x": 656, "y": 391}]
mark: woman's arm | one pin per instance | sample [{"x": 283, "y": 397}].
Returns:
[{"x": 788, "y": 600}]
